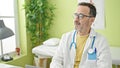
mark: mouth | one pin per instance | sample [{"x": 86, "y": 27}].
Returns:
[{"x": 77, "y": 23}]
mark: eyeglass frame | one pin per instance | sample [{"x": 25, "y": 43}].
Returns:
[{"x": 81, "y": 16}]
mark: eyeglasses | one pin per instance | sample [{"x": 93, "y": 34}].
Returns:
[{"x": 80, "y": 16}]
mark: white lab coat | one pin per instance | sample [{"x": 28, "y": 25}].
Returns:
[{"x": 64, "y": 57}]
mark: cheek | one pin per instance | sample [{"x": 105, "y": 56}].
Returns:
[
  {"x": 91, "y": 21},
  {"x": 86, "y": 24}
]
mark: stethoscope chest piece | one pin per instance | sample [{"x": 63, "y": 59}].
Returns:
[{"x": 91, "y": 50}]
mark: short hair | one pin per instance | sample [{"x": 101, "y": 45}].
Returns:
[{"x": 91, "y": 6}]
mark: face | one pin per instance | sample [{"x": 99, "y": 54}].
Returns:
[{"x": 82, "y": 19}]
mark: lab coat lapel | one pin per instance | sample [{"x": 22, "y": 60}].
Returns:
[
  {"x": 89, "y": 40},
  {"x": 73, "y": 53},
  {"x": 87, "y": 46}
]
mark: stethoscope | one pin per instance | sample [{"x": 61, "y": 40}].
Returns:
[{"x": 92, "y": 48}]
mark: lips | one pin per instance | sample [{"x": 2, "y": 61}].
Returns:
[{"x": 77, "y": 23}]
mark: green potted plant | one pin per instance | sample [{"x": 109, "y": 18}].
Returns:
[{"x": 39, "y": 17}]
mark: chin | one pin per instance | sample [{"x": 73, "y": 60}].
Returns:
[{"x": 78, "y": 30}]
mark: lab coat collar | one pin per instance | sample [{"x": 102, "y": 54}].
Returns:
[{"x": 92, "y": 33}]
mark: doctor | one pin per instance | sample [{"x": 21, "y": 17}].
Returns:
[{"x": 82, "y": 47}]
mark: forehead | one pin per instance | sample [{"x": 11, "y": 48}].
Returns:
[{"x": 83, "y": 10}]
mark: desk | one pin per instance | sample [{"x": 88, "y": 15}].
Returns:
[
  {"x": 115, "y": 52},
  {"x": 8, "y": 66}
]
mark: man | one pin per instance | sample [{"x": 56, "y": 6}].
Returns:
[{"x": 83, "y": 47}]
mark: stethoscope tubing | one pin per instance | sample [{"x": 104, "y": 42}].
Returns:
[{"x": 73, "y": 41}]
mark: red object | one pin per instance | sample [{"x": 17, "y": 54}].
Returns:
[{"x": 18, "y": 51}]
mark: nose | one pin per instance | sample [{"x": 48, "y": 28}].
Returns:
[{"x": 76, "y": 19}]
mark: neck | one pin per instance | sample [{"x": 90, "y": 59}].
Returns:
[{"x": 84, "y": 33}]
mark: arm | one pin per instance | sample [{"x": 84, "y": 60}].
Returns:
[
  {"x": 104, "y": 55},
  {"x": 57, "y": 60}
]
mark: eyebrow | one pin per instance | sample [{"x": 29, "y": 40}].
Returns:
[{"x": 81, "y": 14}]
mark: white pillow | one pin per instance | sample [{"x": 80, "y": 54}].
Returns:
[{"x": 51, "y": 42}]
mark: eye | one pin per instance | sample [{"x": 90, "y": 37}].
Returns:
[
  {"x": 81, "y": 16},
  {"x": 75, "y": 15}
]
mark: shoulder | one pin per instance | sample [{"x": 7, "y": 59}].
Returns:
[
  {"x": 100, "y": 37},
  {"x": 101, "y": 42},
  {"x": 68, "y": 34},
  {"x": 67, "y": 37}
]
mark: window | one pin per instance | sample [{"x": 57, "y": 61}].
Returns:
[{"x": 8, "y": 13}]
